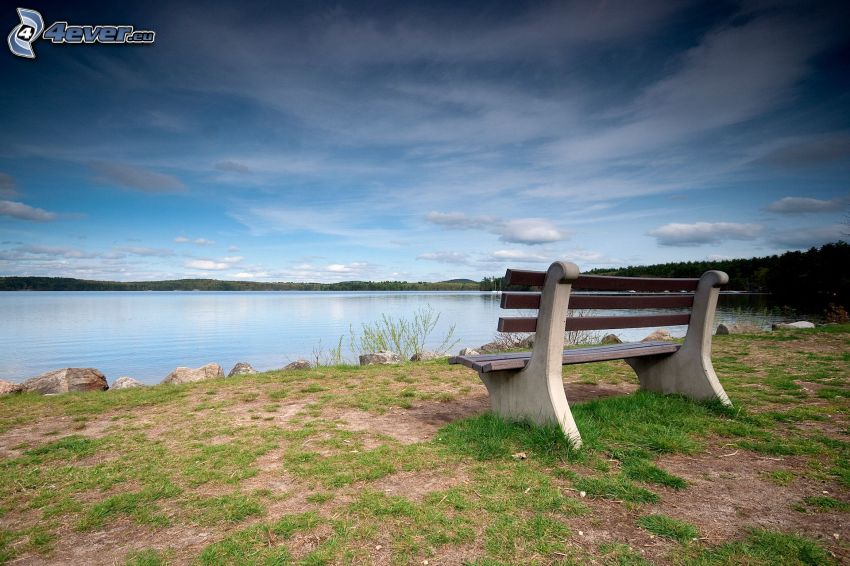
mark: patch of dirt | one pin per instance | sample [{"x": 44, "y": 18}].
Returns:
[
  {"x": 241, "y": 415},
  {"x": 111, "y": 544},
  {"x": 809, "y": 387},
  {"x": 417, "y": 485},
  {"x": 421, "y": 422},
  {"x": 47, "y": 430},
  {"x": 417, "y": 424},
  {"x": 728, "y": 494},
  {"x": 581, "y": 392},
  {"x": 611, "y": 522}
]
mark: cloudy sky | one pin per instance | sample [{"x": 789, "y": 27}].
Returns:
[{"x": 332, "y": 141}]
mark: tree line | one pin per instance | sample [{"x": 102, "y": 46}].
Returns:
[
  {"x": 71, "y": 284},
  {"x": 811, "y": 279}
]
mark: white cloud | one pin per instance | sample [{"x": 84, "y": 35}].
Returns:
[
  {"x": 704, "y": 233},
  {"x": 519, "y": 231},
  {"x": 136, "y": 178},
  {"x": 251, "y": 275},
  {"x": 144, "y": 251},
  {"x": 520, "y": 256},
  {"x": 196, "y": 241},
  {"x": 459, "y": 220},
  {"x": 801, "y": 205},
  {"x": 207, "y": 265},
  {"x": 23, "y": 211},
  {"x": 445, "y": 257},
  {"x": 214, "y": 265},
  {"x": 530, "y": 231},
  {"x": 354, "y": 267}
]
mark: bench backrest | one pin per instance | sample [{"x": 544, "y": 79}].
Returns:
[{"x": 635, "y": 293}]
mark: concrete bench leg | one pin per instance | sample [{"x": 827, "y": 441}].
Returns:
[
  {"x": 532, "y": 396},
  {"x": 536, "y": 393},
  {"x": 683, "y": 375},
  {"x": 689, "y": 371}
]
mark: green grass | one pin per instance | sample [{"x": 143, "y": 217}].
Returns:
[
  {"x": 822, "y": 503},
  {"x": 219, "y": 457},
  {"x": 668, "y": 527},
  {"x": 230, "y": 508},
  {"x": 490, "y": 437},
  {"x": 140, "y": 506},
  {"x": 260, "y": 544},
  {"x": 763, "y": 548}
]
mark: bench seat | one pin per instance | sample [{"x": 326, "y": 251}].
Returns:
[{"x": 486, "y": 363}]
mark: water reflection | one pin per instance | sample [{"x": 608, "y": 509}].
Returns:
[{"x": 146, "y": 334}]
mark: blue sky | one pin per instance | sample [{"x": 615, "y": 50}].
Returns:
[{"x": 326, "y": 141}]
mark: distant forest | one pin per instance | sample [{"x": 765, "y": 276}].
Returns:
[
  {"x": 70, "y": 284},
  {"x": 812, "y": 279}
]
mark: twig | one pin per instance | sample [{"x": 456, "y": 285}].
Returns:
[{"x": 730, "y": 454}]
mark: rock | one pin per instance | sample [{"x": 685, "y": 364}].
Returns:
[
  {"x": 507, "y": 342},
  {"x": 126, "y": 382},
  {"x": 792, "y": 325},
  {"x": 737, "y": 328},
  {"x": 379, "y": 358},
  {"x": 7, "y": 387},
  {"x": 424, "y": 356},
  {"x": 66, "y": 380},
  {"x": 660, "y": 334},
  {"x": 242, "y": 368},
  {"x": 468, "y": 352},
  {"x": 191, "y": 375},
  {"x": 611, "y": 339},
  {"x": 298, "y": 364}
]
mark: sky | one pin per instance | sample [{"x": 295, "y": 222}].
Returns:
[{"x": 332, "y": 141}]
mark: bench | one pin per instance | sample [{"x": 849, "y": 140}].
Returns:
[{"x": 529, "y": 386}]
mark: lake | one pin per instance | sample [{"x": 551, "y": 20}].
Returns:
[{"x": 147, "y": 334}]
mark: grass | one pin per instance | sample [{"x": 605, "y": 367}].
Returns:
[
  {"x": 272, "y": 469},
  {"x": 667, "y": 527}
]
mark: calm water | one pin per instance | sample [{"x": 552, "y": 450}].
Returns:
[{"x": 147, "y": 334}]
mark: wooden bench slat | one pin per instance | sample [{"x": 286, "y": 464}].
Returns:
[
  {"x": 519, "y": 360},
  {"x": 528, "y": 324},
  {"x": 608, "y": 283},
  {"x": 606, "y": 347},
  {"x": 605, "y": 282},
  {"x": 665, "y": 301}
]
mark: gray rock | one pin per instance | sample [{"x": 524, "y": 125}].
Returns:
[
  {"x": 191, "y": 375},
  {"x": 66, "y": 380},
  {"x": 126, "y": 382},
  {"x": 737, "y": 328},
  {"x": 793, "y": 325},
  {"x": 7, "y": 387},
  {"x": 468, "y": 352},
  {"x": 424, "y": 356},
  {"x": 379, "y": 358},
  {"x": 660, "y": 334},
  {"x": 298, "y": 364},
  {"x": 242, "y": 368},
  {"x": 610, "y": 339},
  {"x": 492, "y": 347}
]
